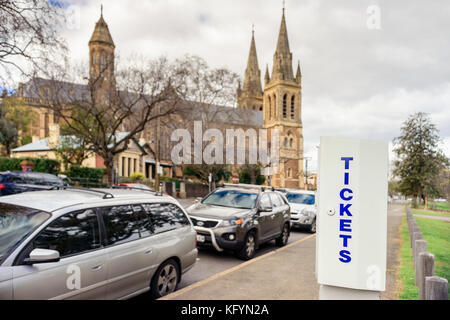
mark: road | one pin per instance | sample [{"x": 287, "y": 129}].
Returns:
[{"x": 212, "y": 262}]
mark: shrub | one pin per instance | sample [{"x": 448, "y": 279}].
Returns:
[
  {"x": 40, "y": 165},
  {"x": 137, "y": 176},
  {"x": 86, "y": 177}
]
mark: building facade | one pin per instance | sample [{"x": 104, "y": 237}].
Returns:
[{"x": 277, "y": 106}]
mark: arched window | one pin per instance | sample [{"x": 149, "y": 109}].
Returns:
[
  {"x": 285, "y": 106},
  {"x": 274, "y": 110},
  {"x": 291, "y": 143},
  {"x": 260, "y": 108},
  {"x": 293, "y": 107},
  {"x": 285, "y": 142},
  {"x": 102, "y": 61},
  {"x": 270, "y": 108}
]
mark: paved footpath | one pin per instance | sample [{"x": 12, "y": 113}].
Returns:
[
  {"x": 287, "y": 273},
  {"x": 284, "y": 274},
  {"x": 394, "y": 220}
]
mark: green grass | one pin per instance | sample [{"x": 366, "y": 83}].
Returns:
[
  {"x": 437, "y": 234},
  {"x": 409, "y": 290},
  {"x": 441, "y": 206},
  {"x": 431, "y": 213}
]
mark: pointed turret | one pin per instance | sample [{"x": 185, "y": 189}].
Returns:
[
  {"x": 101, "y": 32},
  {"x": 298, "y": 76},
  {"x": 101, "y": 53},
  {"x": 282, "y": 59},
  {"x": 267, "y": 76},
  {"x": 252, "y": 78}
]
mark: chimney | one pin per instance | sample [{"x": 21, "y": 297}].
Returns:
[{"x": 53, "y": 139}]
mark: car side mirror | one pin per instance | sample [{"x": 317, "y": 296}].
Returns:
[
  {"x": 42, "y": 256},
  {"x": 197, "y": 200},
  {"x": 265, "y": 209}
]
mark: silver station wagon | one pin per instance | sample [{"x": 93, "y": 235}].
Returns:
[{"x": 93, "y": 244}]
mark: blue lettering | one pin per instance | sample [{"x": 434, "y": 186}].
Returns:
[
  {"x": 345, "y": 254},
  {"x": 346, "y": 175},
  {"x": 345, "y": 225},
  {"x": 344, "y": 209},
  {"x": 347, "y": 161},
  {"x": 345, "y": 237},
  {"x": 342, "y": 194}
]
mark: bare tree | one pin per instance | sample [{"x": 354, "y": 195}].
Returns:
[
  {"x": 107, "y": 112},
  {"x": 210, "y": 97},
  {"x": 29, "y": 37}
]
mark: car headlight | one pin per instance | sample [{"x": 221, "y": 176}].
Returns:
[{"x": 231, "y": 222}]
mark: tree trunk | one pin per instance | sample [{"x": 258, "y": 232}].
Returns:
[{"x": 109, "y": 164}]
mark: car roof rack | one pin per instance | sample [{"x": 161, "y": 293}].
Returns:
[
  {"x": 247, "y": 186},
  {"x": 156, "y": 193},
  {"x": 106, "y": 195}
]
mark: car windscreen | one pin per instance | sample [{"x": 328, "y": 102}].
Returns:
[
  {"x": 16, "y": 223},
  {"x": 300, "y": 198},
  {"x": 232, "y": 198}
]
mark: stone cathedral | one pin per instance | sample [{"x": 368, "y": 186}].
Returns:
[
  {"x": 281, "y": 104},
  {"x": 276, "y": 107}
]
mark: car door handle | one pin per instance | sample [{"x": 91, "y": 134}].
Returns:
[
  {"x": 148, "y": 251},
  {"x": 97, "y": 267}
]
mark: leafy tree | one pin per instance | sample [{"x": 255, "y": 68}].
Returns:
[
  {"x": 419, "y": 157},
  {"x": 218, "y": 172},
  {"x": 251, "y": 174},
  {"x": 8, "y": 134},
  {"x": 21, "y": 115}
]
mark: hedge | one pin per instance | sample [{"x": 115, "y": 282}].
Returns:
[{"x": 40, "y": 165}]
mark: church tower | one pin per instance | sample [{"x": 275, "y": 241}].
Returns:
[
  {"x": 251, "y": 95},
  {"x": 282, "y": 111},
  {"x": 101, "y": 54}
]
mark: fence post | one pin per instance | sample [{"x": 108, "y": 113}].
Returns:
[
  {"x": 436, "y": 288},
  {"x": 426, "y": 269},
  {"x": 182, "y": 190},
  {"x": 414, "y": 229},
  {"x": 416, "y": 236},
  {"x": 420, "y": 246}
]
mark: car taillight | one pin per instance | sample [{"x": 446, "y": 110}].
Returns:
[{"x": 2, "y": 186}]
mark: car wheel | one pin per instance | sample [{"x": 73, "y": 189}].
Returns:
[
  {"x": 282, "y": 240},
  {"x": 165, "y": 280},
  {"x": 312, "y": 228},
  {"x": 248, "y": 249}
]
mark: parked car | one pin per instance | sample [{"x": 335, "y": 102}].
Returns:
[
  {"x": 93, "y": 244},
  {"x": 133, "y": 186},
  {"x": 240, "y": 218},
  {"x": 18, "y": 181},
  {"x": 303, "y": 208}
]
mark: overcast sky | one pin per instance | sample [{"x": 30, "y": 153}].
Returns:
[{"x": 358, "y": 81}]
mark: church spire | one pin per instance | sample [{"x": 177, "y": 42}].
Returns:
[
  {"x": 267, "y": 76},
  {"x": 252, "y": 78},
  {"x": 282, "y": 59},
  {"x": 101, "y": 32},
  {"x": 298, "y": 76}
]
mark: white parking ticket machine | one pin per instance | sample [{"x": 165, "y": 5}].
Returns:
[{"x": 352, "y": 214}]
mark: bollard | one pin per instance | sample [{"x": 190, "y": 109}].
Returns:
[
  {"x": 436, "y": 288},
  {"x": 413, "y": 231},
  {"x": 420, "y": 246},
  {"x": 426, "y": 269},
  {"x": 416, "y": 236},
  {"x": 182, "y": 190}
]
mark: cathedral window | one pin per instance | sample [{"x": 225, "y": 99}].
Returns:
[
  {"x": 291, "y": 143},
  {"x": 285, "y": 106},
  {"x": 285, "y": 142},
  {"x": 292, "y": 107}
]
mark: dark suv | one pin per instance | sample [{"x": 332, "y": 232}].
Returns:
[
  {"x": 18, "y": 182},
  {"x": 240, "y": 218}
]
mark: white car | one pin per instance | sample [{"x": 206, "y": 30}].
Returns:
[{"x": 303, "y": 208}]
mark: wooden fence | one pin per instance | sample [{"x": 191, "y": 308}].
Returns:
[{"x": 430, "y": 286}]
